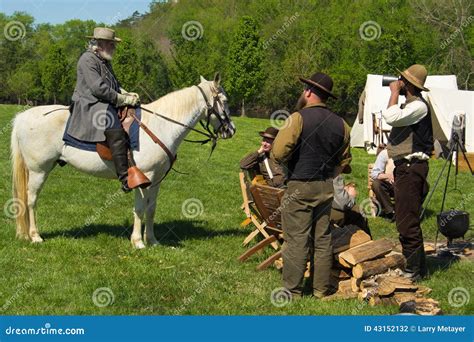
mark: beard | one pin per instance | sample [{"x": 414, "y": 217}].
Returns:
[
  {"x": 301, "y": 103},
  {"x": 106, "y": 55},
  {"x": 403, "y": 91}
]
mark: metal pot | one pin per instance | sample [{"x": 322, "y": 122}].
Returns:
[{"x": 453, "y": 223}]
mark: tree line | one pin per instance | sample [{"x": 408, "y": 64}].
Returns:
[{"x": 260, "y": 48}]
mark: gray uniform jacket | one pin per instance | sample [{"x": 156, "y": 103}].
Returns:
[{"x": 96, "y": 89}]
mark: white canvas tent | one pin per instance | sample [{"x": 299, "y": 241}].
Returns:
[{"x": 445, "y": 101}]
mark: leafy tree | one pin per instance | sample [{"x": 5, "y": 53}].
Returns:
[
  {"x": 19, "y": 83},
  {"x": 55, "y": 73},
  {"x": 126, "y": 64},
  {"x": 244, "y": 74}
]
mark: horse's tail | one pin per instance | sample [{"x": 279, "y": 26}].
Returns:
[{"x": 19, "y": 187}]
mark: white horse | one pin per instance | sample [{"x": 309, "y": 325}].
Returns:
[{"x": 37, "y": 145}]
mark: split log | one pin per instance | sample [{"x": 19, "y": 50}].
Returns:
[
  {"x": 344, "y": 287},
  {"x": 421, "y": 306},
  {"x": 403, "y": 297},
  {"x": 389, "y": 285},
  {"x": 355, "y": 284},
  {"x": 376, "y": 300},
  {"x": 377, "y": 266},
  {"x": 341, "y": 262},
  {"x": 429, "y": 248},
  {"x": 423, "y": 290},
  {"x": 344, "y": 291},
  {"x": 341, "y": 273},
  {"x": 367, "y": 251},
  {"x": 344, "y": 238},
  {"x": 368, "y": 284}
]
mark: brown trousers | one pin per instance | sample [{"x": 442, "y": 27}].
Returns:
[
  {"x": 305, "y": 222},
  {"x": 411, "y": 189},
  {"x": 384, "y": 192}
]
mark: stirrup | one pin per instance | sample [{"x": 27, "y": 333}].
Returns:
[{"x": 136, "y": 178}]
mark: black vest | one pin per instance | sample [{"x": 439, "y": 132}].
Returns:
[
  {"x": 319, "y": 147},
  {"x": 410, "y": 139}
]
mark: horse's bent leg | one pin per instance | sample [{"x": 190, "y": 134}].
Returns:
[
  {"x": 150, "y": 216},
  {"x": 35, "y": 183},
  {"x": 138, "y": 212}
]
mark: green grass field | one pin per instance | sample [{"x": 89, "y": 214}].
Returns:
[{"x": 194, "y": 269}]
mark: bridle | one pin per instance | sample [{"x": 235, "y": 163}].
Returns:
[
  {"x": 211, "y": 109},
  {"x": 209, "y": 134}
]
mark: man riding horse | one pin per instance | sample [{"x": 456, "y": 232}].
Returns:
[{"x": 96, "y": 102}]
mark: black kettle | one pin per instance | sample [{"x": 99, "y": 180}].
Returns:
[{"x": 453, "y": 223}]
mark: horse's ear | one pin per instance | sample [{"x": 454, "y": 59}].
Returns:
[
  {"x": 217, "y": 79},
  {"x": 202, "y": 79}
]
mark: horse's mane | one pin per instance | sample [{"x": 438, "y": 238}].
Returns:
[{"x": 178, "y": 104}]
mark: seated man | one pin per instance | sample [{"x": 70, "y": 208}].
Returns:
[
  {"x": 261, "y": 163},
  {"x": 344, "y": 209},
  {"x": 382, "y": 184}
]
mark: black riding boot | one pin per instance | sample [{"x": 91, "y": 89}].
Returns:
[
  {"x": 117, "y": 140},
  {"x": 416, "y": 265}
]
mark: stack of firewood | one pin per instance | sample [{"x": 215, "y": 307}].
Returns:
[{"x": 370, "y": 270}]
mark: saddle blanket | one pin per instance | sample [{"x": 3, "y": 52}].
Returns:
[{"x": 90, "y": 146}]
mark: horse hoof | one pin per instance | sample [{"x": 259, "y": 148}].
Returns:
[
  {"x": 36, "y": 239},
  {"x": 139, "y": 245},
  {"x": 152, "y": 242}
]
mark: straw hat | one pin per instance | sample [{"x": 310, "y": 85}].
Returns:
[
  {"x": 416, "y": 75},
  {"x": 104, "y": 33}
]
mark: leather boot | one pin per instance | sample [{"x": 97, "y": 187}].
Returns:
[
  {"x": 117, "y": 140},
  {"x": 416, "y": 265}
]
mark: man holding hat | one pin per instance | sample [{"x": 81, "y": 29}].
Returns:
[
  {"x": 315, "y": 145},
  {"x": 94, "y": 114},
  {"x": 261, "y": 162},
  {"x": 410, "y": 146}
]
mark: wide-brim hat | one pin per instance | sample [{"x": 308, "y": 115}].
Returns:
[
  {"x": 270, "y": 133},
  {"x": 321, "y": 81},
  {"x": 104, "y": 33},
  {"x": 416, "y": 75}
]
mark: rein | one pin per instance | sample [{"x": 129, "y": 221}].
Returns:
[
  {"x": 211, "y": 137},
  {"x": 211, "y": 109}
]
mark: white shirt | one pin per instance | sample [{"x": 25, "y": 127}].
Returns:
[{"x": 413, "y": 113}]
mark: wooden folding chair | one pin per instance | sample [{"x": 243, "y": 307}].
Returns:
[
  {"x": 267, "y": 203},
  {"x": 248, "y": 206}
]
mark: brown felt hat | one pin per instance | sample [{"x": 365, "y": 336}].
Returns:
[
  {"x": 321, "y": 81},
  {"x": 104, "y": 33},
  {"x": 416, "y": 75},
  {"x": 270, "y": 132}
]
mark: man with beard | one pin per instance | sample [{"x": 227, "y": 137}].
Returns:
[
  {"x": 410, "y": 146},
  {"x": 314, "y": 143},
  {"x": 96, "y": 98}
]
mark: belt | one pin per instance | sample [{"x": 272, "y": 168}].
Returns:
[{"x": 411, "y": 161}]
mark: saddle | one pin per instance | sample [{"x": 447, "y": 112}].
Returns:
[
  {"x": 136, "y": 178},
  {"x": 127, "y": 116}
]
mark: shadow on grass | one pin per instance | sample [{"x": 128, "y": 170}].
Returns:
[
  {"x": 437, "y": 263},
  {"x": 170, "y": 233}
]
